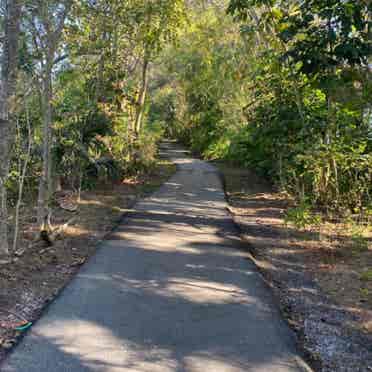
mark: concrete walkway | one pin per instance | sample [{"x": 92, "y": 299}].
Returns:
[{"x": 172, "y": 291}]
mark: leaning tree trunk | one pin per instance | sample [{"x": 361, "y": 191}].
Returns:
[
  {"x": 7, "y": 104},
  {"x": 142, "y": 97}
]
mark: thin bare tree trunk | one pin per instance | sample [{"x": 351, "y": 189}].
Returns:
[
  {"x": 101, "y": 68},
  {"x": 22, "y": 168},
  {"x": 53, "y": 28},
  {"x": 142, "y": 96},
  {"x": 7, "y": 98},
  {"x": 45, "y": 183}
]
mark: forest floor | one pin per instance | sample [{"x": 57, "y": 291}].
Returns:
[
  {"x": 322, "y": 278},
  {"x": 38, "y": 274}
]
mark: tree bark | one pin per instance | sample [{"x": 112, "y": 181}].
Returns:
[
  {"x": 53, "y": 28},
  {"x": 22, "y": 169},
  {"x": 45, "y": 182},
  {"x": 7, "y": 104},
  {"x": 142, "y": 96}
]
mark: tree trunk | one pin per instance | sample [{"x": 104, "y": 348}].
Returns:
[
  {"x": 100, "y": 77},
  {"x": 7, "y": 105},
  {"x": 53, "y": 28},
  {"x": 45, "y": 180},
  {"x": 142, "y": 97},
  {"x": 22, "y": 169}
]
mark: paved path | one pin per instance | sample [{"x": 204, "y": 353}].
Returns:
[{"x": 172, "y": 291}]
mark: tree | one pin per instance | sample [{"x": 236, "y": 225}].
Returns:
[
  {"x": 46, "y": 20},
  {"x": 288, "y": 96},
  {"x": 157, "y": 22},
  {"x": 320, "y": 36},
  {"x": 128, "y": 37},
  {"x": 9, "y": 65}
]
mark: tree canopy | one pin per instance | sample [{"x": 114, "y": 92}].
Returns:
[{"x": 282, "y": 87}]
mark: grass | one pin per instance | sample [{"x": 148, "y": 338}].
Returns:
[{"x": 366, "y": 276}]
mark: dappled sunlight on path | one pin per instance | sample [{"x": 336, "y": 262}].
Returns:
[{"x": 171, "y": 290}]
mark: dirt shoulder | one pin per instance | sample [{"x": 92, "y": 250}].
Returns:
[
  {"x": 39, "y": 272},
  {"x": 320, "y": 276}
]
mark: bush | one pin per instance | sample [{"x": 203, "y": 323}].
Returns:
[{"x": 302, "y": 216}]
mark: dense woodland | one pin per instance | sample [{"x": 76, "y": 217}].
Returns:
[{"x": 90, "y": 87}]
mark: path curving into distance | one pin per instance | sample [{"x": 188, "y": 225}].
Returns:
[{"x": 172, "y": 290}]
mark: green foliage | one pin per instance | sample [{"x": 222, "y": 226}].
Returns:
[
  {"x": 366, "y": 276},
  {"x": 359, "y": 242},
  {"x": 199, "y": 92},
  {"x": 319, "y": 34},
  {"x": 302, "y": 216},
  {"x": 364, "y": 292},
  {"x": 325, "y": 34},
  {"x": 97, "y": 77},
  {"x": 288, "y": 95},
  {"x": 281, "y": 87}
]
